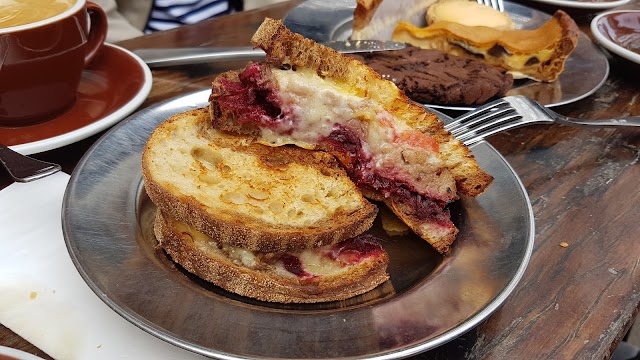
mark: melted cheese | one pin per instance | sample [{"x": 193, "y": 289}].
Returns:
[
  {"x": 321, "y": 104},
  {"x": 207, "y": 245},
  {"x": 312, "y": 107},
  {"x": 313, "y": 261}
]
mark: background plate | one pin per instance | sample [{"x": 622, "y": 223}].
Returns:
[
  {"x": 584, "y": 4},
  {"x": 585, "y": 71},
  {"x": 428, "y": 301}
]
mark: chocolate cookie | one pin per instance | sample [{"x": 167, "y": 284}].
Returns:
[{"x": 433, "y": 77}]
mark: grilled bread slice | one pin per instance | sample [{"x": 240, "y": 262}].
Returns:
[
  {"x": 249, "y": 195},
  {"x": 316, "y": 98},
  {"x": 327, "y": 273}
]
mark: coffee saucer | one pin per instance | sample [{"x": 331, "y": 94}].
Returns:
[{"x": 112, "y": 87}]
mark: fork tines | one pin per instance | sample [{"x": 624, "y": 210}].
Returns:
[
  {"x": 486, "y": 120},
  {"x": 496, "y": 4}
]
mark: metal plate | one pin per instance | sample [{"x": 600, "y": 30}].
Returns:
[
  {"x": 428, "y": 301},
  {"x": 586, "y": 4},
  {"x": 585, "y": 71}
]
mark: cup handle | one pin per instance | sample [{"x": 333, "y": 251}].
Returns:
[{"x": 97, "y": 32}]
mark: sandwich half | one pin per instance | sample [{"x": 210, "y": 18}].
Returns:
[
  {"x": 275, "y": 224},
  {"x": 247, "y": 194},
  {"x": 392, "y": 148}
]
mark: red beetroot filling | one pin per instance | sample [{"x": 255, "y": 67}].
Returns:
[
  {"x": 251, "y": 98},
  {"x": 293, "y": 265},
  {"x": 255, "y": 101},
  {"x": 348, "y": 252},
  {"x": 347, "y": 142},
  {"x": 356, "y": 249}
]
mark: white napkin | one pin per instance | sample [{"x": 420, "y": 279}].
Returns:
[{"x": 42, "y": 296}]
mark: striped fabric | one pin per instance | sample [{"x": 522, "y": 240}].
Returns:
[{"x": 168, "y": 14}]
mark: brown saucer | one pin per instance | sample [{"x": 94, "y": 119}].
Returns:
[{"x": 111, "y": 88}]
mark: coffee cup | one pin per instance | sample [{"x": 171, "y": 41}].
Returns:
[{"x": 44, "y": 47}]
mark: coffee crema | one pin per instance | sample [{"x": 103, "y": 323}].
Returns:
[{"x": 22, "y": 12}]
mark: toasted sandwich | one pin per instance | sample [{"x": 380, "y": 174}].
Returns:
[
  {"x": 392, "y": 148},
  {"x": 276, "y": 224},
  {"x": 250, "y": 195}
]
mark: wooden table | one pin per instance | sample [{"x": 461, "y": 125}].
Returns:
[{"x": 574, "y": 302}]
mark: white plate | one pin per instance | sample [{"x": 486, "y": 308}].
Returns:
[
  {"x": 599, "y": 30},
  {"x": 17, "y": 354},
  {"x": 111, "y": 88},
  {"x": 578, "y": 4}
]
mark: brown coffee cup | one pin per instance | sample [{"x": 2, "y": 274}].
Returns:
[{"x": 41, "y": 62}]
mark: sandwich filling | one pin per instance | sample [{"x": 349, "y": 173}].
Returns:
[
  {"x": 327, "y": 260},
  {"x": 385, "y": 158}
]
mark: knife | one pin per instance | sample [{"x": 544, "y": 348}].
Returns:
[
  {"x": 23, "y": 168},
  {"x": 158, "y": 57}
]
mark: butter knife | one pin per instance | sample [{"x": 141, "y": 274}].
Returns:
[{"x": 158, "y": 57}]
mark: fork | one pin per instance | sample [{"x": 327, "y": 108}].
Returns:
[
  {"x": 496, "y": 4},
  {"x": 514, "y": 111},
  {"x": 23, "y": 168}
]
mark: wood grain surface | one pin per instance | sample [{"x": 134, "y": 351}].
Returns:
[{"x": 574, "y": 302}]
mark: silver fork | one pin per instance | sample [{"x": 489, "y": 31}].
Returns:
[
  {"x": 23, "y": 168},
  {"x": 514, "y": 111},
  {"x": 496, "y": 4}
]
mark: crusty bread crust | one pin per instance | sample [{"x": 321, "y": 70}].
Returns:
[
  {"x": 363, "y": 13},
  {"x": 236, "y": 222},
  {"x": 265, "y": 283},
  {"x": 438, "y": 236}
]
